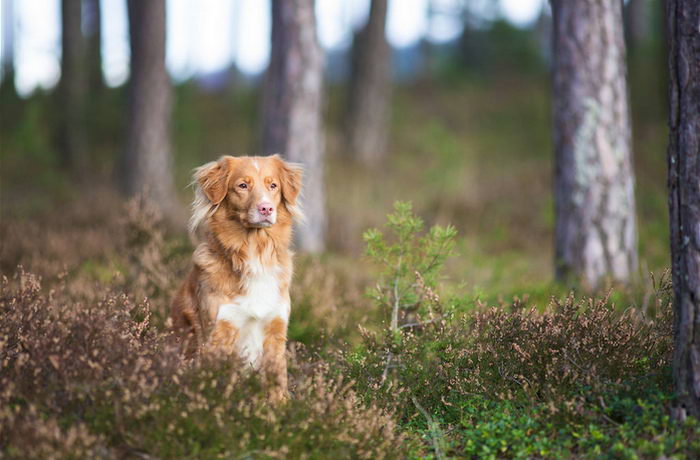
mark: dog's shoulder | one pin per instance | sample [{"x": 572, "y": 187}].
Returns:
[
  {"x": 218, "y": 275},
  {"x": 204, "y": 258}
]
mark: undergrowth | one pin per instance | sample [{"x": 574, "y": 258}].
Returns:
[
  {"x": 385, "y": 362},
  {"x": 581, "y": 377},
  {"x": 98, "y": 380}
]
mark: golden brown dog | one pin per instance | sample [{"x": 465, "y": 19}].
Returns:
[{"x": 235, "y": 301}]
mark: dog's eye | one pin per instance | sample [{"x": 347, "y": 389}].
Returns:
[
  {"x": 273, "y": 186},
  {"x": 243, "y": 185}
]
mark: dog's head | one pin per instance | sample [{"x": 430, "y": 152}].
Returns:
[{"x": 256, "y": 192}]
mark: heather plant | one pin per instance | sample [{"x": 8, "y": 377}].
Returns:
[
  {"x": 565, "y": 357},
  {"x": 73, "y": 238},
  {"x": 100, "y": 380},
  {"x": 580, "y": 377},
  {"x": 327, "y": 302},
  {"x": 62, "y": 363},
  {"x": 153, "y": 264}
]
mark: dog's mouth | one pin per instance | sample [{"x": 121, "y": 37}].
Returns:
[
  {"x": 253, "y": 219},
  {"x": 262, "y": 224},
  {"x": 260, "y": 221}
]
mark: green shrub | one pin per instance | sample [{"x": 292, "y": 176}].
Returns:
[
  {"x": 410, "y": 264},
  {"x": 630, "y": 427}
]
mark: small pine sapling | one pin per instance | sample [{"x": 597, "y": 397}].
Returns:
[{"x": 411, "y": 263}]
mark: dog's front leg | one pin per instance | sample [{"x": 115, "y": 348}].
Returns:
[
  {"x": 224, "y": 335},
  {"x": 275, "y": 359}
]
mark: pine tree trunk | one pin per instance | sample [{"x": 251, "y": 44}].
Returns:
[
  {"x": 638, "y": 23},
  {"x": 147, "y": 161},
  {"x": 7, "y": 53},
  {"x": 72, "y": 89},
  {"x": 292, "y": 108},
  {"x": 683, "y": 17},
  {"x": 370, "y": 89},
  {"x": 94, "y": 38},
  {"x": 596, "y": 234}
]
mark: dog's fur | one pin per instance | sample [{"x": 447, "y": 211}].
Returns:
[{"x": 235, "y": 300}]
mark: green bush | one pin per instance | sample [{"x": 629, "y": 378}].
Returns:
[{"x": 628, "y": 427}]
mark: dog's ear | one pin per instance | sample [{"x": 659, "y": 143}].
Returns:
[
  {"x": 213, "y": 178},
  {"x": 291, "y": 178}
]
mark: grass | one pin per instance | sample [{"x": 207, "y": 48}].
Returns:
[{"x": 86, "y": 363}]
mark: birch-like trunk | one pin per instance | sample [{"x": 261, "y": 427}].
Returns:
[
  {"x": 370, "y": 89},
  {"x": 147, "y": 165},
  {"x": 683, "y": 18},
  {"x": 596, "y": 235},
  {"x": 292, "y": 109}
]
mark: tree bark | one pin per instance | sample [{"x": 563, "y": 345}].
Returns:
[
  {"x": 596, "y": 234},
  {"x": 72, "y": 89},
  {"x": 292, "y": 108},
  {"x": 93, "y": 20},
  {"x": 370, "y": 89},
  {"x": 683, "y": 18},
  {"x": 147, "y": 165}
]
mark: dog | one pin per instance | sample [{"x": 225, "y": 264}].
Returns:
[{"x": 235, "y": 300}]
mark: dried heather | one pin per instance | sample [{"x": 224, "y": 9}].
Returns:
[
  {"x": 565, "y": 357},
  {"x": 86, "y": 380}
]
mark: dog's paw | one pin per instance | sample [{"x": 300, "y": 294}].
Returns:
[{"x": 279, "y": 396}]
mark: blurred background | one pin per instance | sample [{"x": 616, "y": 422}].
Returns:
[{"x": 445, "y": 103}]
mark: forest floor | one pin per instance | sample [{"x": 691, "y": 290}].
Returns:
[{"x": 505, "y": 363}]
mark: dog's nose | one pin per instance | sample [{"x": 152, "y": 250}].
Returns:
[{"x": 265, "y": 209}]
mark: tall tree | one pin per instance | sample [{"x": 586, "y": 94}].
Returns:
[
  {"x": 370, "y": 89},
  {"x": 93, "y": 33},
  {"x": 596, "y": 234},
  {"x": 292, "y": 108},
  {"x": 72, "y": 88},
  {"x": 146, "y": 166},
  {"x": 638, "y": 23},
  {"x": 7, "y": 52},
  {"x": 683, "y": 17}
]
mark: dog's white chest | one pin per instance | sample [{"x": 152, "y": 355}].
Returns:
[{"x": 250, "y": 313}]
